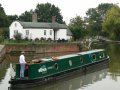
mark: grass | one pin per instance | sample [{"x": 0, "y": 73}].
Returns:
[{"x": 8, "y": 41}]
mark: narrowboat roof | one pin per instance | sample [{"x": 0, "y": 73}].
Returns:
[
  {"x": 91, "y": 51},
  {"x": 81, "y": 53},
  {"x": 73, "y": 55}
]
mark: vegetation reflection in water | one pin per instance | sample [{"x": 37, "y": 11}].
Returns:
[
  {"x": 113, "y": 49},
  {"x": 75, "y": 82}
]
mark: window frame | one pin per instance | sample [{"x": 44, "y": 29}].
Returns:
[
  {"x": 45, "y": 32},
  {"x": 15, "y": 32},
  {"x": 94, "y": 57},
  {"x": 27, "y": 32},
  {"x": 50, "y": 32}
]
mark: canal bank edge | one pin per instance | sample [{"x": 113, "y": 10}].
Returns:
[{"x": 40, "y": 48}]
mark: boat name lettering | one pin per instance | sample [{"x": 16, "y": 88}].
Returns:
[{"x": 42, "y": 69}]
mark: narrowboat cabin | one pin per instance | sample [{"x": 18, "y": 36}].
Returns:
[{"x": 47, "y": 69}]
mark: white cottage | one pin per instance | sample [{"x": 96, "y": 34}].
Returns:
[{"x": 33, "y": 30}]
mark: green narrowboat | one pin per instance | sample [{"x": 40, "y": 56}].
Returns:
[{"x": 48, "y": 69}]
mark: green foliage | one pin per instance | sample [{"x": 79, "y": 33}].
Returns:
[
  {"x": 26, "y": 39},
  {"x": 95, "y": 18},
  {"x": 3, "y": 17},
  {"x": 18, "y": 37},
  {"x": 26, "y": 16},
  {"x": 4, "y": 32},
  {"x": 36, "y": 39},
  {"x": 111, "y": 24},
  {"x": 76, "y": 25},
  {"x": 12, "y": 18},
  {"x": 46, "y": 11},
  {"x": 1, "y": 39},
  {"x": 49, "y": 39}
]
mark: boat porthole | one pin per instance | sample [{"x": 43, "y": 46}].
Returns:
[
  {"x": 81, "y": 60},
  {"x": 94, "y": 57},
  {"x": 102, "y": 55},
  {"x": 56, "y": 66},
  {"x": 70, "y": 62}
]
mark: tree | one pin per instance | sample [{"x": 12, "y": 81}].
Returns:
[
  {"x": 3, "y": 24},
  {"x": 111, "y": 24},
  {"x": 76, "y": 25},
  {"x": 12, "y": 18},
  {"x": 26, "y": 16},
  {"x": 95, "y": 18},
  {"x": 3, "y": 17},
  {"x": 4, "y": 32},
  {"x": 46, "y": 11}
]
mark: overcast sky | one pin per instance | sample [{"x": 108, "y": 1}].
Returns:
[{"x": 69, "y": 8}]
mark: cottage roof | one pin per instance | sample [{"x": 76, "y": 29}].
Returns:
[{"x": 43, "y": 25}]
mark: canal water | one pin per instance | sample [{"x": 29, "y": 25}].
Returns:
[{"x": 102, "y": 77}]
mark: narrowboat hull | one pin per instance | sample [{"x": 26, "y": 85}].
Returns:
[{"x": 54, "y": 73}]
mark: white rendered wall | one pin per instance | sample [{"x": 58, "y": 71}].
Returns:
[
  {"x": 38, "y": 33},
  {"x": 33, "y": 33},
  {"x": 15, "y": 26},
  {"x": 62, "y": 34},
  {"x": 69, "y": 37}
]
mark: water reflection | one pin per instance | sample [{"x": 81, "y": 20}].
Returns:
[
  {"x": 107, "y": 77},
  {"x": 114, "y": 68},
  {"x": 3, "y": 68},
  {"x": 113, "y": 50},
  {"x": 4, "y": 85},
  {"x": 4, "y": 75}
]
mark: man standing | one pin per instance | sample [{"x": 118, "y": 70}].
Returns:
[{"x": 22, "y": 64}]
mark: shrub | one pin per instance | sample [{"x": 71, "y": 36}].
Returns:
[
  {"x": 26, "y": 39},
  {"x": 18, "y": 37},
  {"x": 36, "y": 39},
  {"x": 49, "y": 39},
  {"x": 42, "y": 39},
  {"x": 1, "y": 39}
]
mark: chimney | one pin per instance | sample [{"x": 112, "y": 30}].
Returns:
[
  {"x": 53, "y": 19},
  {"x": 34, "y": 17}
]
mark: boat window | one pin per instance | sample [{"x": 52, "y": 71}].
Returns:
[
  {"x": 70, "y": 62},
  {"x": 81, "y": 60},
  {"x": 94, "y": 57},
  {"x": 102, "y": 55},
  {"x": 56, "y": 66}
]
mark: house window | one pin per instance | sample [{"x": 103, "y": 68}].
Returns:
[
  {"x": 44, "y": 32},
  {"x": 27, "y": 32},
  {"x": 50, "y": 32},
  {"x": 15, "y": 32}
]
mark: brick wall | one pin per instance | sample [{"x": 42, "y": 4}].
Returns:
[{"x": 42, "y": 48}]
